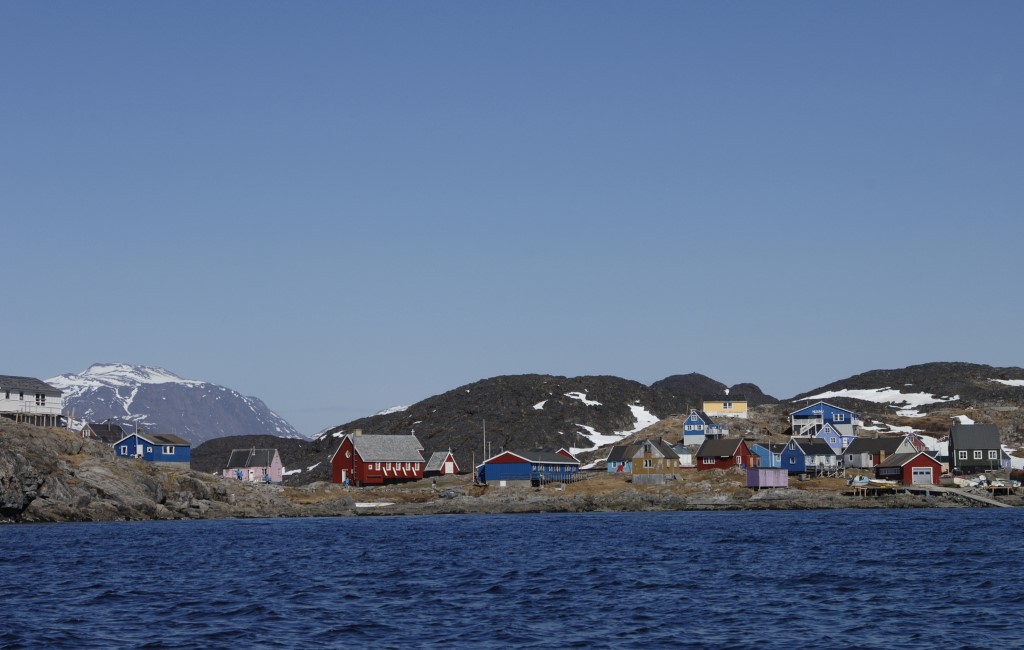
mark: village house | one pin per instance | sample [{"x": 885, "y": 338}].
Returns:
[
  {"x": 620, "y": 459},
  {"x": 767, "y": 477},
  {"x": 698, "y": 426},
  {"x": 866, "y": 453},
  {"x": 974, "y": 448},
  {"x": 842, "y": 420},
  {"x": 161, "y": 448},
  {"x": 726, "y": 405},
  {"x": 723, "y": 453},
  {"x": 913, "y": 468},
  {"x": 255, "y": 465},
  {"x": 441, "y": 463},
  {"x": 106, "y": 432},
  {"x": 829, "y": 434},
  {"x": 654, "y": 461},
  {"x": 377, "y": 459},
  {"x": 685, "y": 455},
  {"x": 769, "y": 454},
  {"x": 529, "y": 468},
  {"x": 29, "y": 400},
  {"x": 809, "y": 456}
]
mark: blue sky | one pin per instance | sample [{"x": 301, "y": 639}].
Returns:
[{"x": 341, "y": 207}]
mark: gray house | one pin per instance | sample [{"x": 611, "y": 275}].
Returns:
[
  {"x": 974, "y": 448},
  {"x": 866, "y": 453}
]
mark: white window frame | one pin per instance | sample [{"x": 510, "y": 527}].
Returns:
[
  {"x": 149, "y": 450},
  {"x": 961, "y": 455},
  {"x": 648, "y": 463},
  {"x": 977, "y": 454},
  {"x": 839, "y": 417},
  {"x": 168, "y": 450},
  {"x": 993, "y": 454},
  {"x": 792, "y": 460},
  {"x": 707, "y": 461},
  {"x": 124, "y": 450}
]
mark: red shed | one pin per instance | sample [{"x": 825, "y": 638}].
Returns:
[
  {"x": 373, "y": 460},
  {"x": 915, "y": 468},
  {"x": 723, "y": 453}
]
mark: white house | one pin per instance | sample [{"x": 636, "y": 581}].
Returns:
[{"x": 25, "y": 399}]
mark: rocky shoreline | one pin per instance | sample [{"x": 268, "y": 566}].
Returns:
[{"x": 52, "y": 475}]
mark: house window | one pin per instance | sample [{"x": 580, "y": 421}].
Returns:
[
  {"x": 707, "y": 461},
  {"x": 792, "y": 445},
  {"x": 648, "y": 463},
  {"x": 961, "y": 455},
  {"x": 992, "y": 454},
  {"x": 377, "y": 466},
  {"x": 124, "y": 450},
  {"x": 149, "y": 450},
  {"x": 838, "y": 417},
  {"x": 977, "y": 454},
  {"x": 726, "y": 405},
  {"x": 792, "y": 460},
  {"x": 832, "y": 439},
  {"x": 21, "y": 396},
  {"x": 40, "y": 399},
  {"x": 7, "y": 394},
  {"x": 387, "y": 466},
  {"x": 168, "y": 450}
]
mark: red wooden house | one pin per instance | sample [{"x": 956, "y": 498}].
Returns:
[
  {"x": 917, "y": 468},
  {"x": 374, "y": 460},
  {"x": 723, "y": 453}
]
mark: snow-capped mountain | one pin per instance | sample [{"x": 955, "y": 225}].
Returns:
[{"x": 162, "y": 402}]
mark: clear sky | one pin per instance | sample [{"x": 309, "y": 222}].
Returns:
[{"x": 340, "y": 207}]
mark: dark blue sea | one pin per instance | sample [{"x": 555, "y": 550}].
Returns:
[{"x": 818, "y": 579}]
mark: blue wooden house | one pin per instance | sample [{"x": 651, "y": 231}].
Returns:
[
  {"x": 698, "y": 426},
  {"x": 818, "y": 414},
  {"x": 534, "y": 467},
  {"x": 620, "y": 459},
  {"x": 831, "y": 435},
  {"x": 769, "y": 454},
  {"x": 809, "y": 456},
  {"x": 156, "y": 448}
]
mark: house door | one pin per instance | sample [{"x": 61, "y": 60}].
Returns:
[
  {"x": 449, "y": 467},
  {"x": 344, "y": 475},
  {"x": 921, "y": 475},
  {"x": 138, "y": 450},
  {"x": 252, "y": 474}
]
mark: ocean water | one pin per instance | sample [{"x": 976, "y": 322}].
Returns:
[{"x": 949, "y": 578}]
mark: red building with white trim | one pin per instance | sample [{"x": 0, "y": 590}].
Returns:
[
  {"x": 375, "y": 460},
  {"x": 917, "y": 468},
  {"x": 723, "y": 453}
]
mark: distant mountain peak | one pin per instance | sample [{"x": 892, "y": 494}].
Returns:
[{"x": 164, "y": 402}]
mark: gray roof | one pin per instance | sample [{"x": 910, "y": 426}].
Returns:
[
  {"x": 30, "y": 384},
  {"x": 773, "y": 447},
  {"x": 437, "y": 460},
  {"x": 251, "y": 458},
  {"x": 974, "y": 436},
  {"x": 899, "y": 460},
  {"x": 106, "y": 431},
  {"x": 663, "y": 447},
  {"x": 621, "y": 453},
  {"x": 401, "y": 449},
  {"x": 888, "y": 444},
  {"x": 814, "y": 447},
  {"x": 719, "y": 447}
]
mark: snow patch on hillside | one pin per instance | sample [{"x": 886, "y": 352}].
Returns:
[
  {"x": 393, "y": 409},
  {"x": 642, "y": 419},
  {"x": 1010, "y": 382},
  {"x": 539, "y": 406},
  {"x": 963, "y": 419},
  {"x": 583, "y": 398},
  {"x": 907, "y": 403}
]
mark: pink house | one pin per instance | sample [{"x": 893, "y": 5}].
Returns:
[{"x": 255, "y": 465}]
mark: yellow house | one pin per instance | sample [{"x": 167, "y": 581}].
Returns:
[
  {"x": 654, "y": 461},
  {"x": 730, "y": 406}
]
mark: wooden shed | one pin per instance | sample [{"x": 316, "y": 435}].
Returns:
[{"x": 767, "y": 477}]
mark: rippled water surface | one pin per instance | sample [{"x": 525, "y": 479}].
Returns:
[{"x": 839, "y": 579}]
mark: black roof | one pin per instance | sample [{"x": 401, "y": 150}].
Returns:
[
  {"x": 620, "y": 453},
  {"x": 251, "y": 458},
  {"x": 10, "y": 382},
  {"x": 974, "y": 436},
  {"x": 719, "y": 447},
  {"x": 814, "y": 446}
]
